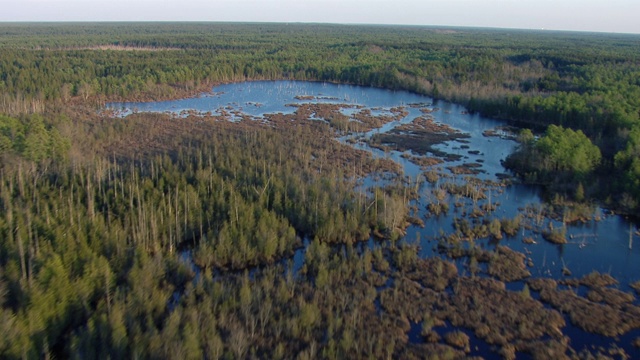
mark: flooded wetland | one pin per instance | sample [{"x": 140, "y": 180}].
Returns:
[{"x": 480, "y": 265}]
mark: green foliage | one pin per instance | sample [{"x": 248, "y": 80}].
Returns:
[
  {"x": 628, "y": 161},
  {"x": 562, "y": 158},
  {"x": 526, "y": 137},
  {"x": 31, "y": 138},
  {"x": 568, "y": 150}
]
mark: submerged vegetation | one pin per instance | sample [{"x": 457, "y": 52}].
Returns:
[{"x": 158, "y": 236}]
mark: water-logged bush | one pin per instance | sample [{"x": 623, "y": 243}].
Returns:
[
  {"x": 599, "y": 318},
  {"x": 555, "y": 236},
  {"x": 508, "y": 265},
  {"x": 433, "y": 273},
  {"x": 458, "y": 339},
  {"x": 511, "y": 226},
  {"x": 438, "y": 208},
  {"x": 495, "y": 228},
  {"x": 432, "y": 176},
  {"x": 431, "y": 352},
  {"x": 610, "y": 296},
  {"x": 592, "y": 280},
  {"x": 546, "y": 349},
  {"x": 499, "y": 316}
]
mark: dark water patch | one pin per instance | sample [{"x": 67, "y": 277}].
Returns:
[
  {"x": 414, "y": 333},
  {"x": 515, "y": 286},
  {"x": 295, "y": 263}
]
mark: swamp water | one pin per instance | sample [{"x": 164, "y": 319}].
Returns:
[{"x": 596, "y": 245}]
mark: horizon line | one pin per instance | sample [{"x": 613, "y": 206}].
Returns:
[{"x": 308, "y": 23}]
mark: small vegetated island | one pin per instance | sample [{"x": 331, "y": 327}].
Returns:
[{"x": 331, "y": 229}]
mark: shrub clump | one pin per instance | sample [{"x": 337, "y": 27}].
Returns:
[
  {"x": 499, "y": 316},
  {"x": 458, "y": 339},
  {"x": 433, "y": 273},
  {"x": 611, "y": 318},
  {"x": 508, "y": 265}
]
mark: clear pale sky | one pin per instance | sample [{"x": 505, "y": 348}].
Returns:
[{"x": 582, "y": 15}]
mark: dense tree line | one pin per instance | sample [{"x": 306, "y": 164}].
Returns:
[
  {"x": 563, "y": 158},
  {"x": 586, "y": 82}
]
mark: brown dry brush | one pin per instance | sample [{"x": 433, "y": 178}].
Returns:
[
  {"x": 500, "y": 317},
  {"x": 507, "y": 265},
  {"x": 605, "y": 311}
]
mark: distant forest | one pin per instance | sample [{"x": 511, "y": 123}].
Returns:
[
  {"x": 97, "y": 213},
  {"x": 582, "y": 81}
]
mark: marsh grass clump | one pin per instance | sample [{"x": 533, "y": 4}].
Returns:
[
  {"x": 438, "y": 209},
  {"x": 427, "y": 332},
  {"x": 540, "y": 284},
  {"x": 466, "y": 169},
  {"x": 563, "y": 209},
  {"x": 430, "y": 336},
  {"x": 431, "y": 352},
  {"x": 467, "y": 190},
  {"x": 471, "y": 230},
  {"x": 560, "y": 209},
  {"x": 426, "y": 162},
  {"x": 499, "y": 316},
  {"x": 555, "y": 236},
  {"x": 405, "y": 257},
  {"x": 612, "y": 351},
  {"x": 592, "y": 280},
  {"x": 433, "y": 273},
  {"x": 546, "y": 349},
  {"x": 439, "y": 202},
  {"x": 611, "y": 317},
  {"x": 432, "y": 176},
  {"x": 458, "y": 339},
  {"x": 393, "y": 301},
  {"x": 609, "y": 296},
  {"x": 508, "y": 265},
  {"x": 596, "y": 279},
  {"x": 477, "y": 213},
  {"x": 599, "y": 290},
  {"x": 511, "y": 226},
  {"x": 416, "y": 221},
  {"x": 495, "y": 228}
]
